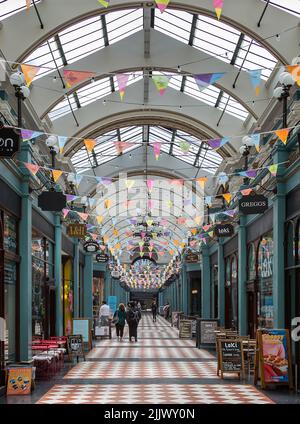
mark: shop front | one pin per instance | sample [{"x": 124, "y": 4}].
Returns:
[
  {"x": 98, "y": 291},
  {"x": 231, "y": 292},
  {"x": 214, "y": 285},
  {"x": 195, "y": 293},
  {"x": 68, "y": 290}
]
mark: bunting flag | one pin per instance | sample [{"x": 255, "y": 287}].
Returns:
[
  {"x": 133, "y": 221},
  {"x": 204, "y": 80},
  {"x": 94, "y": 236},
  {"x": 201, "y": 181},
  {"x": 218, "y": 142},
  {"x": 100, "y": 219},
  {"x": 211, "y": 234},
  {"x": 208, "y": 200},
  {"x": 34, "y": 169},
  {"x": 78, "y": 179},
  {"x": 161, "y": 83},
  {"x": 227, "y": 197},
  {"x": 255, "y": 78},
  {"x": 102, "y": 247},
  {"x": 246, "y": 191},
  {"x": 163, "y": 222},
  {"x": 118, "y": 246},
  {"x": 89, "y": 144},
  {"x": 157, "y": 147},
  {"x": 181, "y": 220},
  {"x": 218, "y": 5},
  {"x": 149, "y": 222},
  {"x": 56, "y": 174},
  {"x": 273, "y": 169},
  {"x": 150, "y": 204},
  {"x": 29, "y": 72},
  {"x": 107, "y": 203},
  {"x": 171, "y": 252},
  {"x": 75, "y": 77},
  {"x": 283, "y": 134},
  {"x": 294, "y": 70},
  {"x": 92, "y": 202},
  {"x": 65, "y": 212},
  {"x": 198, "y": 219},
  {"x": 71, "y": 197},
  {"x": 122, "y": 80},
  {"x": 61, "y": 142},
  {"x": 256, "y": 140},
  {"x": 129, "y": 247},
  {"x": 104, "y": 181},
  {"x": 207, "y": 227},
  {"x": 177, "y": 182},
  {"x": 83, "y": 216},
  {"x": 28, "y": 3},
  {"x": 194, "y": 231},
  {"x": 104, "y": 3},
  {"x": 230, "y": 212},
  {"x": 28, "y": 135},
  {"x": 223, "y": 178},
  {"x": 121, "y": 146},
  {"x": 185, "y": 146},
  {"x": 143, "y": 234},
  {"x": 162, "y": 4},
  {"x": 105, "y": 239},
  {"x": 129, "y": 183},
  {"x": 116, "y": 232},
  {"x": 150, "y": 184},
  {"x": 161, "y": 253},
  {"x": 251, "y": 173}
]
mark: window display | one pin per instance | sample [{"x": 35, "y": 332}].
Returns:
[
  {"x": 265, "y": 274},
  {"x": 10, "y": 234},
  {"x": 251, "y": 263}
]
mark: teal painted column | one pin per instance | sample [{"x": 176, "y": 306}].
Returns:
[
  {"x": 205, "y": 284},
  {"x": 221, "y": 283},
  {"x": 76, "y": 278},
  {"x": 88, "y": 286},
  {"x": 279, "y": 214},
  {"x": 25, "y": 251},
  {"x": 185, "y": 300},
  {"x": 107, "y": 279},
  {"x": 58, "y": 277},
  {"x": 242, "y": 277}
]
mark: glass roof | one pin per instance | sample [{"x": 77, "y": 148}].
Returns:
[
  {"x": 289, "y": 6},
  {"x": 199, "y": 155},
  {"x": 10, "y": 7}
]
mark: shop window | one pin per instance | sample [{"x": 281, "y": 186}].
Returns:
[
  {"x": 10, "y": 281},
  {"x": 234, "y": 292},
  {"x": 251, "y": 269},
  {"x": 297, "y": 247},
  {"x": 265, "y": 274},
  {"x": 290, "y": 245},
  {"x": 10, "y": 234}
]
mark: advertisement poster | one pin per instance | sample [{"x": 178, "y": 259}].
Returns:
[
  {"x": 19, "y": 381},
  {"x": 112, "y": 303},
  {"x": 275, "y": 356}
]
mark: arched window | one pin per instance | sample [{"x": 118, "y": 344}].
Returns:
[
  {"x": 251, "y": 266},
  {"x": 265, "y": 274}
]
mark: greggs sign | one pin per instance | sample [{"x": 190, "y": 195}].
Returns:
[{"x": 253, "y": 204}]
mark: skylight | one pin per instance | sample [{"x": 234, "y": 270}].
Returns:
[
  {"x": 289, "y": 6},
  {"x": 11, "y": 7}
]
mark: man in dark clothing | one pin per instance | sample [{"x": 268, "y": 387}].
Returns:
[
  {"x": 154, "y": 310},
  {"x": 133, "y": 316}
]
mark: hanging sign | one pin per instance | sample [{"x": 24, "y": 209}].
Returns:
[
  {"x": 191, "y": 257},
  {"x": 274, "y": 361},
  {"x": 9, "y": 142},
  {"x": 255, "y": 204},
  {"x": 53, "y": 201},
  {"x": 231, "y": 356},
  {"x": 91, "y": 246},
  {"x": 224, "y": 230},
  {"x": 101, "y": 258},
  {"x": 76, "y": 230}
]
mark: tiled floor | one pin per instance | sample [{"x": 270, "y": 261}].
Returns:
[{"x": 158, "y": 369}]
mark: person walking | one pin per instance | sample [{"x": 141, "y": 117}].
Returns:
[
  {"x": 154, "y": 310},
  {"x": 119, "y": 321},
  {"x": 104, "y": 313},
  {"x": 133, "y": 317}
]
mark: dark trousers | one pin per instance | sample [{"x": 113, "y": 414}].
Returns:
[
  {"x": 132, "y": 330},
  {"x": 154, "y": 314},
  {"x": 120, "y": 330}
]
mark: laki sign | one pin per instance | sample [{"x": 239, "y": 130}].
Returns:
[
  {"x": 76, "y": 230},
  {"x": 53, "y": 201},
  {"x": 9, "y": 142},
  {"x": 223, "y": 230},
  {"x": 256, "y": 204},
  {"x": 91, "y": 246},
  {"x": 101, "y": 257}
]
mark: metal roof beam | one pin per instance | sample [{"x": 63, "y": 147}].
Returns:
[
  {"x": 77, "y": 99},
  {"x": 219, "y": 98},
  {"x": 61, "y": 50},
  {"x": 183, "y": 82},
  {"x": 198, "y": 154},
  {"x": 104, "y": 29},
  {"x": 237, "y": 49},
  {"x": 193, "y": 29},
  {"x": 172, "y": 142}
]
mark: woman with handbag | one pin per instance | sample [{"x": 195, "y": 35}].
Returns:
[{"x": 119, "y": 320}]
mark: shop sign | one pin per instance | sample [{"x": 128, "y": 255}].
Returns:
[
  {"x": 76, "y": 230},
  {"x": 224, "y": 230},
  {"x": 91, "y": 246},
  {"x": 9, "y": 142},
  {"x": 53, "y": 201},
  {"x": 185, "y": 329},
  {"x": 101, "y": 257},
  {"x": 19, "y": 381},
  {"x": 191, "y": 257},
  {"x": 231, "y": 356},
  {"x": 253, "y": 204},
  {"x": 75, "y": 346},
  {"x": 206, "y": 336}
]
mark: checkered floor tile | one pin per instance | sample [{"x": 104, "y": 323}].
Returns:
[
  {"x": 117, "y": 351},
  {"x": 154, "y": 394}
]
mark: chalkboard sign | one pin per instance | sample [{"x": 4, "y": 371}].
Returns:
[
  {"x": 206, "y": 336},
  {"x": 185, "y": 329},
  {"x": 75, "y": 346},
  {"x": 82, "y": 326},
  {"x": 231, "y": 356}
]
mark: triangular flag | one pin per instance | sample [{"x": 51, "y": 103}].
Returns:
[
  {"x": 227, "y": 197},
  {"x": 150, "y": 184},
  {"x": 121, "y": 146},
  {"x": 56, "y": 174},
  {"x": 157, "y": 147},
  {"x": 218, "y": 5},
  {"x": 206, "y": 227},
  {"x": 251, "y": 173},
  {"x": 116, "y": 232},
  {"x": 256, "y": 140},
  {"x": 255, "y": 77},
  {"x": 162, "y": 4},
  {"x": 61, "y": 142},
  {"x": 171, "y": 252},
  {"x": 71, "y": 197},
  {"x": 102, "y": 247},
  {"x": 83, "y": 216},
  {"x": 161, "y": 253},
  {"x": 204, "y": 80},
  {"x": 294, "y": 70},
  {"x": 197, "y": 219},
  {"x": 177, "y": 182},
  {"x": 210, "y": 233},
  {"x": 208, "y": 200},
  {"x": 78, "y": 179},
  {"x": 150, "y": 204},
  {"x": 273, "y": 169},
  {"x": 201, "y": 181},
  {"x": 94, "y": 236},
  {"x": 104, "y": 3},
  {"x": 65, "y": 212},
  {"x": 29, "y": 72},
  {"x": 185, "y": 146},
  {"x": 246, "y": 191},
  {"x": 29, "y": 135},
  {"x": 283, "y": 134},
  {"x": 28, "y": 3},
  {"x": 194, "y": 231},
  {"x": 129, "y": 183},
  {"x": 122, "y": 80},
  {"x": 75, "y": 77},
  {"x": 99, "y": 219},
  {"x": 118, "y": 246},
  {"x": 218, "y": 142},
  {"x": 161, "y": 83},
  {"x": 107, "y": 203},
  {"x": 149, "y": 222},
  {"x": 105, "y": 238},
  {"x": 89, "y": 144},
  {"x": 34, "y": 169}
]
